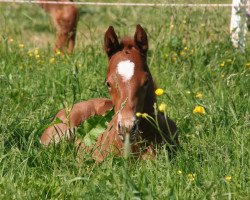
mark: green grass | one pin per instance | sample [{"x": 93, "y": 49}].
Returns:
[{"x": 32, "y": 90}]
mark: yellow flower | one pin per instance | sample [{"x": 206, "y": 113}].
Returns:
[
  {"x": 30, "y": 54},
  {"x": 199, "y": 109},
  {"x": 159, "y": 92},
  {"x": 228, "y": 178},
  {"x": 248, "y": 65},
  {"x": 191, "y": 177},
  {"x": 188, "y": 92},
  {"x": 171, "y": 26},
  {"x": 162, "y": 107},
  {"x": 229, "y": 61},
  {"x": 58, "y": 52},
  {"x": 36, "y": 51},
  {"x": 185, "y": 48},
  {"x": 11, "y": 40},
  {"x": 37, "y": 56},
  {"x": 222, "y": 64},
  {"x": 138, "y": 114},
  {"x": 51, "y": 60},
  {"x": 182, "y": 53},
  {"x": 21, "y": 46},
  {"x": 179, "y": 172},
  {"x": 144, "y": 115},
  {"x": 222, "y": 75},
  {"x": 199, "y": 95}
]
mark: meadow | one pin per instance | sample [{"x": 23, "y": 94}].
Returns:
[{"x": 190, "y": 57}]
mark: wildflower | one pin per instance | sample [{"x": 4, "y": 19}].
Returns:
[
  {"x": 51, "y": 60},
  {"x": 162, "y": 107},
  {"x": 179, "y": 172},
  {"x": 199, "y": 109},
  {"x": 228, "y": 178},
  {"x": 191, "y": 177},
  {"x": 182, "y": 53},
  {"x": 11, "y": 40},
  {"x": 159, "y": 92},
  {"x": 37, "y": 56},
  {"x": 222, "y": 75},
  {"x": 185, "y": 48},
  {"x": 21, "y": 46},
  {"x": 188, "y": 92},
  {"x": 248, "y": 65},
  {"x": 138, "y": 114},
  {"x": 199, "y": 95},
  {"x": 222, "y": 64},
  {"x": 144, "y": 115},
  {"x": 171, "y": 26},
  {"x": 203, "y": 25},
  {"x": 58, "y": 52},
  {"x": 30, "y": 54},
  {"x": 229, "y": 61},
  {"x": 184, "y": 21},
  {"x": 36, "y": 52}
]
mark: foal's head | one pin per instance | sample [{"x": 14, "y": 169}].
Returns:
[{"x": 128, "y": 78}]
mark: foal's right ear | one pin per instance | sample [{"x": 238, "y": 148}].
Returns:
[{"x": 111, "y": 43}]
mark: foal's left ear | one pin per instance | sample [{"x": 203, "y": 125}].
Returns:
[
  {"x": 111, "y": 43},
  {"x": 141, "y": 39}
]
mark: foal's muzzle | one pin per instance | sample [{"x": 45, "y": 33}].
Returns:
[{"x": 131, "y": 130}]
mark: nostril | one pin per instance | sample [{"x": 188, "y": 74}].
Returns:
[{"x": 119, "y": 126}]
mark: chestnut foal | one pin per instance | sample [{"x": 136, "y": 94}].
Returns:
[
  {"x": 65, "y": 18},
  {"x": 131, "y": 87}
]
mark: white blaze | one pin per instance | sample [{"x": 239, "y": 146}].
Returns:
[{"x": 126, "y": 69}]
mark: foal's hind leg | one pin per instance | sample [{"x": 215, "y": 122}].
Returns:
[
  {"x": 61, "y": 40},
  {"x": 71, "y": 41}
]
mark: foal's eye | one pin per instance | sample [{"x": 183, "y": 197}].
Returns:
[{"x": 108, "y": 84}]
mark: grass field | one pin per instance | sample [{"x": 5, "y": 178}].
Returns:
[{"x": 190, "y": 53}]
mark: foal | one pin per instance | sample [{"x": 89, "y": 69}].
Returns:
[
  {"x": 65, "y": 19},
  {"x": 131, "y": 88}
]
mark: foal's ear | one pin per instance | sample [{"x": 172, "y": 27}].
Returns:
[
  {"x": 141, "y": 39},
  {"x": 111, "y": 43}
]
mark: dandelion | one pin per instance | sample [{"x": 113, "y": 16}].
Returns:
[
  {"x": 179, "y": 172},
  {"x": 21, "y": 46},
  {"x": 144, "y": 115},
  {"x": 222, "y": 64},
  {"x": 36, "y": 51},
  {"x": 191, "y": 177},
  {"x": 162, "y": 107},
  {"x": 248, "y": 65},
  {"x": 188, "y": 92},
  {"x": 199, "y": 109},
  {"x": 182, "y": 53},
  {"x": 159, "y": 91},
  {"x": 51, "y": 60},
  {"x": 229, "y": 61},
  {"x": 199, "y": 95},
  {"x": 58, "y": 52},
  {"x": 138, "y": 114},
  {"x": 228, "y": 178}
]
